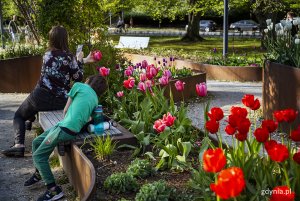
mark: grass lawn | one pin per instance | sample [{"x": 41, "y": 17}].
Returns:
[{"x": 200, "y": 51}]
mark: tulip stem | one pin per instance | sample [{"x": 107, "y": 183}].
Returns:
[
  {"x": 286, "y": 176},
  {"x": 216, "y": 181},
  {"x": 182, "y": 97}
]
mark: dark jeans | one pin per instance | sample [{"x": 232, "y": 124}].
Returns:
[{"x": 40, "y": 99}]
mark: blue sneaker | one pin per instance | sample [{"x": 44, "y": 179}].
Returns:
[{"x": 52, "y": 195}]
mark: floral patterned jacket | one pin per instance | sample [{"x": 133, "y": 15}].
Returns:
[{"x": 58, "y": 69}]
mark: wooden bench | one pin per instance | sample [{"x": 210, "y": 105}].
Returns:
[
  {"x": 133, "y": 42},
  {"x": 48, "y": 119}
]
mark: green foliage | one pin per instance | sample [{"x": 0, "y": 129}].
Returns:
[
  {"x": 140, "y": 168},
  {"x": 120, "y": 183},
  {"x": 21, "y": 50},
  {"x": 174, "y": 157},
  {"x": 156, "y": 191},
  {"x": 234, "y": 60},
  {"x": 103, "y": 146}
]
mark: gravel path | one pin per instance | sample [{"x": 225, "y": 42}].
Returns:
[{"x": 14, "y": 171}]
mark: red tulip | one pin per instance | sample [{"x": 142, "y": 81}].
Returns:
[
  {"x": 168, "y": 119},
  {"x": 296, "y": 157},
  {"x": 282, "y": 193},
  {"x": 278, "y": 116},
  {"x": 97, "y": 55},
  {"x": 269, "y": 144},
  {"x": 159, "y": 125},
  {"x": 163, "y": 80},
  {"x": 216, "y": 113},
  {"x": 179, "y": 85},
  {"x": 201, "y": 89},
  {"x": 241, "y": 136},
  {"x": 289, "y": 115},
  {"x": 270, "y": 125},
  {"x": 230, "y": 183},
  {"x": 278, "y": 152},
  {"x": 239, "y": 111},
  {"x": 248, "y": 101},
  {"x": 214, "y": 160},
  {"x": 104, "y": 71},
  {"x": 129, "y": 84},
  {"x": 230, "y": 130},
  {"x": 261, "y": 134},
  {"x": 212, "y": 126},
  {"x": 295, "y": 135},
  {"x": 120, "y": 94},
  {"x": 149, "y": 83},
  {"x": 243, "y": 125}
]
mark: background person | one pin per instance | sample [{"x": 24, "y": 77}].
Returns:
[
  {"x": 83, "y": 98},
  {"x": 14, "y": 30},
  {"x": 290, "y": 17},
  {"x": 59, "y": 68}
]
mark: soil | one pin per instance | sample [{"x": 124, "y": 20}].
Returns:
[{"x": 119, "y": 161}]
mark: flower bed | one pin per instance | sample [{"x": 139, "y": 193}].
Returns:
[{"x": 214, "y": 72}]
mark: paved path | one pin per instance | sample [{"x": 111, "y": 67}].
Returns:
[{"x": 14, "y": 171}]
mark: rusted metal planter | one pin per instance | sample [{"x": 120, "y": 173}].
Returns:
[
  {"x": 281, "y": 89},
  {"x": 189, "y": 87},
  {"x": 20, "y": 74},
  {"x": 213, "y": 72}
]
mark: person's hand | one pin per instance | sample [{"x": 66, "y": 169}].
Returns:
[{"x": 89, "y": 58}]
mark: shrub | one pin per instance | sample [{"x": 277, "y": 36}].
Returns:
[
  {"x": 157, "y": 191},
  {"x": 103, "y": 147},
  {"x": 120, "y": 183},
  {"x": 140, "y": 168}
]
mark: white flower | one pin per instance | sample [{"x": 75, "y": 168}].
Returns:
[
  {"x": 288, "y": 26},
  {"x": 297, "y": 41}
]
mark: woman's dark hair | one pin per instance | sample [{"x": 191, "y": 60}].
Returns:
[
  {"x": 58, "y": 39},
  {"x": 98, "y": 83}
]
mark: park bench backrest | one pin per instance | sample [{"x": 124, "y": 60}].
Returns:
[{"x": 133, "y": 42}]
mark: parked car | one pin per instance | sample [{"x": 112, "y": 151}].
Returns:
[
  {"x": 244, "y": 25},
  {"x": 207, "y": 25}
]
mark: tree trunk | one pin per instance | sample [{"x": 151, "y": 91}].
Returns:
[{"x": 192, "y": 33}]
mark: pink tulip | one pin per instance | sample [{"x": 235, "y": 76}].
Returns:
[
  {"x": 97, "y": 55},
  {"x": 163, "y": 80},
  {"x": 167, "y": 73},
  {"x": 168, "y": 119},
  {"x": 128, "y": 72},
  {"x": 144, "y": 64},
  {"x": 129, "y": 84},
  {"x": 142, "y": 86},
  {"x": 159, "y": 125},
  {"x": 179, "y": 85},
  {"x": 120, "y": 94},
  {"x": 201, "y": 89},
  {"x": 104, "y": 71},
  {"x": 143, "y": 77},
  {"x": 148, "y": 83}
]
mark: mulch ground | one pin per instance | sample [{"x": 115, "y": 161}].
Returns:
[{"x": 119, "y": 162}]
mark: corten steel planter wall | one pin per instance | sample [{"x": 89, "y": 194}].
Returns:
[
  {"x": 189, "y": 87},
  {"x": 80, "y": 171},
  {"x": 20, "y": 74},
  {"x": 281, "y": 89},
  {"x": 213, "y": 72}
]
